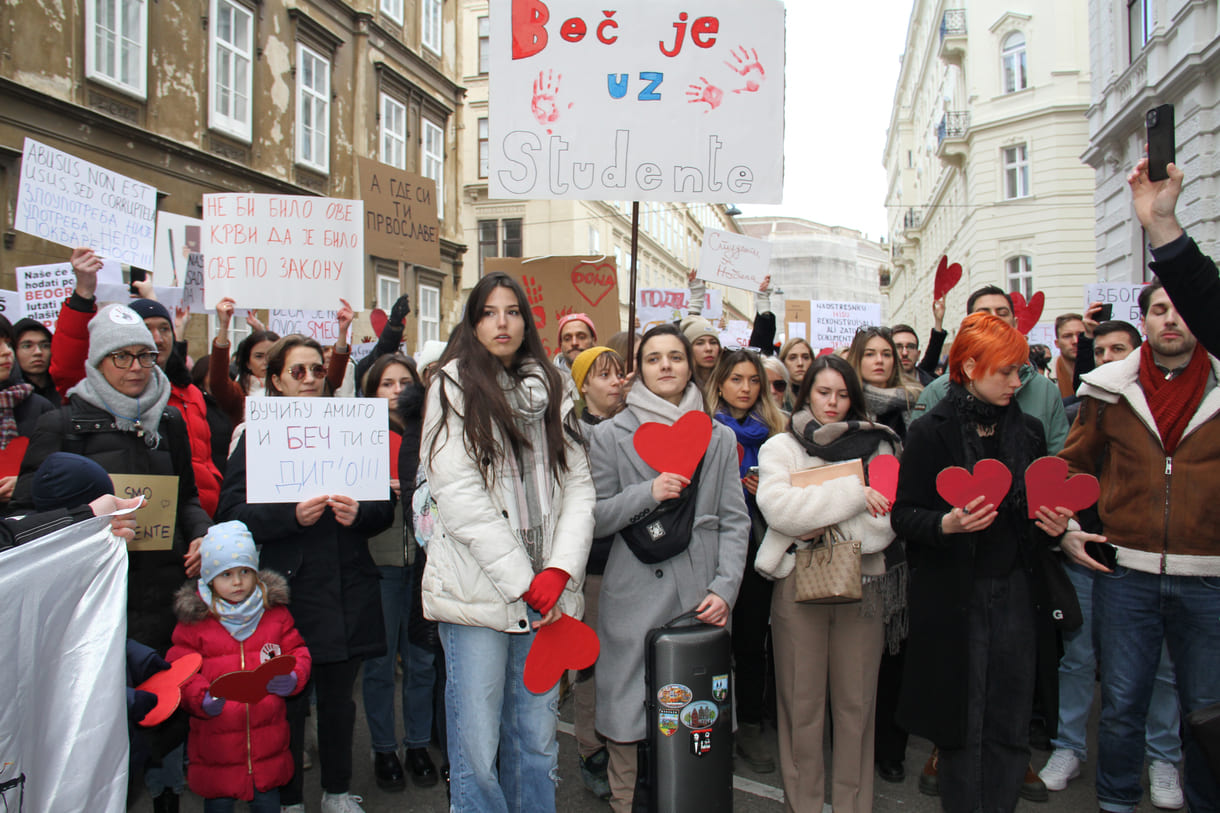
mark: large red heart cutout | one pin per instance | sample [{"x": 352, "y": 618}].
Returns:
[
  {"x": 566, "y": 644},
  {"x": 378, "y": 318},
  {"x": 991, "y": 480},
  {"x": 251, "y": 686},
  {"x": 167, "y": 686},
  {"x": 12, "y": 455},
  {"x": 1027, "y": 313},
  {"x": 678, "y": 448},
  {"x": 593, "y": 282},
  {"x": 1047, "y": 483},
  {"x": 883, "y": 475},
  {"x": 946, "y": 277}
]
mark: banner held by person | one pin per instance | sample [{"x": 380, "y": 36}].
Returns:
[
  {"x": 320, "y": 325},
  {"x": 736, "y": 334},
  {"x": 655, "y": 306},
  {"x": 43, "y": 289},
  {"x": 157, "y": 517},
  {"x": 400, "y": 219},
  {"x": 734, "y": 259},
  {"x": 1122, "y": 295},
  {"x": 834, "y": 324}
]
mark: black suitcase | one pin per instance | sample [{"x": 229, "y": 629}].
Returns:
[{"x": 687, "y": 760}]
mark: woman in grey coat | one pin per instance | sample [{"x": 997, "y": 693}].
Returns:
[{"x": 637, "y": 597}]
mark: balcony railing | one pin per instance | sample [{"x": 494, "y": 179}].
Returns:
[
  {"x": 953, "y": 125},
  {"x": 953, "y": 23}
]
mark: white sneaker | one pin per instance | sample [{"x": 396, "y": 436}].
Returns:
[
  {"x": 1061, "y": 768},
  {"x": 293, "y": 809},
  {"x": 341, "y": 803},
  {"x": 1164, "y": 786}
]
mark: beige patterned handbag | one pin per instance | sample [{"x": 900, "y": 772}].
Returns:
[{"x": 828, "y": 571}]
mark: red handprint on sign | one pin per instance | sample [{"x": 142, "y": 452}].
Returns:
[
  {"x": 746, "y": 64},
  {"x": 705, "y": 92},
  {"x": 545, "y": 102},
  {"x": 533, "y": 293}
]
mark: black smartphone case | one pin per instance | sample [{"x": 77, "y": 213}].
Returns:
[{"x": 1161, "y": 143}]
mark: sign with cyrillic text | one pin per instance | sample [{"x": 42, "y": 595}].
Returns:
[
  {"x": 1124, "y": 296},
  {"x": 400, "y": 220},
  {"x": 734, "y": 259}
]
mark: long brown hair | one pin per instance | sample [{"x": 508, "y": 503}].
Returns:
[
  {"x": 764, "y": 407},
  {"x": 855, "y": 357},
  {"x": 372, "y": 379},
  {"x": 858, "y": 411},
  {"x": 277, "y": 356}
]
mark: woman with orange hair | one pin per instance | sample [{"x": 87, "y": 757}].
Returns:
[{"x": 974, "y": 626}]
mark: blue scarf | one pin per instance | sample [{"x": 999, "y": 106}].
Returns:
[
  {"x": 241, "y": 620},
  {"x": 751, "y": 434}
]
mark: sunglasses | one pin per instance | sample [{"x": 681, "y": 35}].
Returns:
[
  {"x": 298, "y": 371},
  {"x": 779, "y": 385}
]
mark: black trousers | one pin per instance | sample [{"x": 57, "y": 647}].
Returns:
[
  {"x": 334, "y": 684},
  {"x": 889, "y": 739},
  {"x": 751, "y": 623}
]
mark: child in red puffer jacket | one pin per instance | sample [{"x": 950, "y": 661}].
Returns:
[{"x": 237, "y": 618}]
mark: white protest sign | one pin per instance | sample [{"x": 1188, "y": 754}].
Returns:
[
  {"x": 654, "y": 306},
  {"x": 359, "y": 351},
  {"x": 652, "y": 101},
  {"x": 11, "y": 306},
  {"x": 734, "y": 259},
  {"x": 43, "y": 289},
  {"x": 834, "y": 324},
  {"x": 1124, "y": 296},
  {"x": 320, "y": 325},
  {"x": 282, "y": 251},
  {"x": 298, "y": 448},
  {"x": 178, "y": 237},
  {"x": 70, "y": 201},
  {"x": 114, "y": 285},
  {"x": 736, "y": 334}
]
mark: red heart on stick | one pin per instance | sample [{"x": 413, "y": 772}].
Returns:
[
  {"x": 946, "y": 277},
  {"x": 566, "y": 644},
  {"x": 678, "y": 448},
  {"x": 1027, "y": 313},
  {"x": 12, "y": 455},
  {"x": 378, "y": 319},
  {"x": 251, "y": 686},
  {"x": 167, "y": 686},
  {"x": 883, "y": 475},
  {"x": 1047, "y": 483},
  {"x": 593, "y": 282},
  {"x": 991, "y": 480}
]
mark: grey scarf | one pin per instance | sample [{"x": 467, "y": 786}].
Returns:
[
  {"x": 529, "y": 398},
  {"x": 140, "y": 415},
  {"x": 646, "y": 405},
  {"x": 884, "y": 400}
]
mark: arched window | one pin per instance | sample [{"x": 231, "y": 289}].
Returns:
[{"x": 1013, "y": 59}]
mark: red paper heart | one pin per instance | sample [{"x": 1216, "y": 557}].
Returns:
[
  {"x": 946, "y": 277},
  {"x": 251, "y": 687},
  {"x": 593, "y": 282},
  {"x": 12, "y": 455},
  {"x": 378, "y": 318},
  {"x": 395, "y": 445},
  {"x": 566, "y": 644},
  {"x": 1027, "y": 313},
  {"x": 167, "y": 686},
  {"x": 1047, "y": 483},
  {"x": 678, "y": 448},
  {"x": 883, "y": 475},
  {"x": 991, "y": 480}
]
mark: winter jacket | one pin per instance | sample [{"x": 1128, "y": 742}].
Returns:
[
  {"x": 336, "y": 596},
  {"x": 1160, "y": 511},
  {"x": 245, "y": 747},
  {"x": 477, "y": 568},
  {"x": 231, "y": 398},
  {"x": 27, "y": 413},
  {"x": 1192, "y": 282}
]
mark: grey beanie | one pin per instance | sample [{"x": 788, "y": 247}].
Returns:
[{"x": 113, "y": 328}]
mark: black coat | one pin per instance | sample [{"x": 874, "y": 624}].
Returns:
[
  {"x": 336, "y": 595},
  {"x": 933, "y": 701},
  {"x": 27, "y": 413}
]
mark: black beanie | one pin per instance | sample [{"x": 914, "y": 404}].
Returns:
[
  {"x": 67, "y": 480},
  {"x": 150, "y": 308}
]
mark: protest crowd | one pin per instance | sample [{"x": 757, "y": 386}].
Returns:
[{"x": 980, "y": 620}]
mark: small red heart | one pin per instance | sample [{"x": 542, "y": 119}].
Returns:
[
  {"x": 991, "y": 480},
  {"x": 378, "y": 318},
  {"x": 676, "y": 449},
  {"x": 1047, "y": 483},
  {"x": 251, "y": 686},
  {"x": 883, "y": 475},
  {"x": 12, "y": 455},
  {"x": 395, "y": 445},
  {"x": 946, "y": 277},
  {"x": 593, "y": 282},
  {"x": 1027, "y": 313},
  {"x": 167, "y": 686},
  {"x": 566, "y": 644}
]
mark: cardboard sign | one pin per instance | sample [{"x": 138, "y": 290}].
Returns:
[
  {"x": 178, "y": 237},
  {"x": 1123, "y": 296},
  {"x": 834, "y": 324},
  {"x": 652, "y": 101},
  {"x": 557, "y": 286},
  {"x": 734, "y": 259},
  {"x": 320, "y": 325},
  {"x": 656, "y": 306},
  {"x": 796, "y": 318},
  {"x": 282, "y": 251},
  {"x": 736, "y": 334},
  {"x": 70, "y": 201},
  {"x": 400, "y": 219},
  {"x": 156, "y": 518},
  {"x": 298, "y": 448},
  {"x": 824, "y": 474}
]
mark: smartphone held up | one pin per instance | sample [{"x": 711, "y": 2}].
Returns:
[{"x": 1158, "y": 123}]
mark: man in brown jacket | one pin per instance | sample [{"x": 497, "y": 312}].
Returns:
[{"x": 1148, "y": 430}]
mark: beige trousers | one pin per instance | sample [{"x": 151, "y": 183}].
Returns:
[
  {"x": 584, "y": 692},
  {"x": 622, "y": 771}
]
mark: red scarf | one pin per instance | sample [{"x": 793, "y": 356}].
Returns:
[{"x": 1174, "y": 401}]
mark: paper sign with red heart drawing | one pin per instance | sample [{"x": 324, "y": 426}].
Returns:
[
  {"x": 1047, "y": 483},
  {"x": 991, "y": 480},
  {"x": 12, "y": 455},
  {"x": 883, "y": 475},
  {"x": 566, "y": 644},
  {"x": 1027, "y": 313},
  {"x": 593, "y": 282},
  {"x": 946, "y": 277},
  {"x": 167, "y": 686},
  {"x": 677, "y": 448},
  {"x": 251, "y": 686}
]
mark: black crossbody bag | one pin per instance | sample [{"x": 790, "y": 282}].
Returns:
[{"x": 665, "y": 531}]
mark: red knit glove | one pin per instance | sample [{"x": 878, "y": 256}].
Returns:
[{"x": 545, "y": 589}]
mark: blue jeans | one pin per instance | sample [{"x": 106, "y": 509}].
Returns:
[
  {"x": 1134, "y": 613},
  {"x": 1077, "y": 670},
  {"x": 263, "y": 802},
  {"x": 397, "y": 584},
  {"x": 169, "y": 775},
  {"x": 489, "y": 709}
]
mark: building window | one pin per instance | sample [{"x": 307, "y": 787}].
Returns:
[
  {"x": 1020, "y": 275},
  {"x": 1013, "y": 58},
  {"x": 393, "y": 132},
  {"x": 392, "y": 9},
  {"x": 313, "y": 109},
  {"x": 434, "y": 162},
  {"x": 1139, "y": 27},
  {"x": 499, "y": 238},
  {"x": 484, "y": 148},
  {"x": 232, "y": 46},
  {"x": 484, "y": 44},
  {"x": 1016, "y": 172},
  {"x": 116, "y": 36},
  {"x": 595, "y": 240},
  {"x": 429, "y": 314},
  {"x": 430, "y": 30},
  {"x": 388, "y": 291}
]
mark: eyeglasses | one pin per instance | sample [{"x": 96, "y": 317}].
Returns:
[
  {"x": 297, "y": 371},
  {"x": 122, "y": 359},
  {"x": 44, "y": 346}
]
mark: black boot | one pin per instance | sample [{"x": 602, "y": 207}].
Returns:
[
  {"x": 387, "y": 770},
  {"x": 167, "y": 802}
]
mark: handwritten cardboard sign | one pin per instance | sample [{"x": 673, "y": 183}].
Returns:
[
  {"x": 320, "y": 325},
  {"x": 70, "y": 201},
  {"x": 655, "y": 306},
  {"x": 298, "y": 448},
  {"x": 734, "y": 259},
  {"x": 557, "y": 286},
  {"x": 282, "y": 251},
  {"x": 834, "y": 324},
  {"x": 796, "y": 318},
  {"x": 156, "y": 518},
  {"x": 400, "y": 219},
  {"x": 178, "y": 237},
  {"x": 1122, "y": 295},
  {"x": 654, "y": 101}
]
